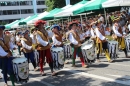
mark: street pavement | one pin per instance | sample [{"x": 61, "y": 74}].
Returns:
[{"x": 98, "y": 74}]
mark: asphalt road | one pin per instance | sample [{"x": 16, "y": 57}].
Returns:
[{"x": 98, "y": 74}]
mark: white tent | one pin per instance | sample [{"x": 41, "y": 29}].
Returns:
[
  {"x": 37, "y": 18},
  {"x": 17, "y": 24},
  {"x": 114, "y": 3},
  {"x": 69, "y": 12}
]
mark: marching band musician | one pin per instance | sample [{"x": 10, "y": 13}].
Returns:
[
  {"x": 87, "y": 33},
  {"x": 57, "y": 37},
  {"x": 119, "y": 36},
  {"x": 5, "y": 56},
  {"x": 43, "y": 46},
  {"x": 27, "y": 48},
  {"x": 74, "y": 38},
  {"x": 101, "y": 42},
  {"x": 18, "y": 41},
  {"x": 33, "y": 36},
  {"x": 81, "y": 33},
  {"x": 50, "y": 33}
]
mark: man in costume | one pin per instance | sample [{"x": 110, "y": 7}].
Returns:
[
  {"x": 5, "y": 56},
  {"x": 57, "y": 37},
  {"x": 74, "y": 38},
  {"x": 117, "y": 29},
  {"x": 27, "y": 48},
  {"x": 101, "y": 42},
  {"x": 43, "y": 46}
]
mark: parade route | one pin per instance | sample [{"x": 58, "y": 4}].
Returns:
[{"x": 98, "y": 74}]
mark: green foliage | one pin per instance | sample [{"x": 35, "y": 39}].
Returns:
[{"x": 51, "y": 4}]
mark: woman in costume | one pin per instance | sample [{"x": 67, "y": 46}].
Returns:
[{"x": 27, "y": 48}]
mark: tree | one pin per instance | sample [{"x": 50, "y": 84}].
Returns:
[{"x": 51, "y": 4}]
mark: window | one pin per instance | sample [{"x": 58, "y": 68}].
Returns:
[
  {"x": 40, "y": 2},
  {"x": 10, "y": 12},
  {"x": 40, "y": 10},
  {"x": 15, "y": 3}
]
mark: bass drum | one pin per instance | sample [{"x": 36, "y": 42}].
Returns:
[
  {"x": 88, "y": 52},
  {"x": 58, "y": 57},
  {"x": 21, "y": 70}
]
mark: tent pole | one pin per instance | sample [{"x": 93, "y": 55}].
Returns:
[
  {"x": 86, "y": 16},
  {"x": 70, "y": 18},
  {"x": 81, "y": 21},
  {"x": 62, "y": 24},
  {"x": 105, "y": 16}
]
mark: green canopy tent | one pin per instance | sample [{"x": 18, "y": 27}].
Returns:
[
  {"x": 69, "y": 12},
  {"x": 7, "y": 26},
  {"x": 51, "y": 14},
  {"x": 16, "y": 25},
  {"x": 93, "y": 5},
  {"x": 24, "y": 22}
]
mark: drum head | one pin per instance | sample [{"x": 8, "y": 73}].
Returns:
[
  {"x": 19, "y": 60},
  {"x": 57, "y": 49}
]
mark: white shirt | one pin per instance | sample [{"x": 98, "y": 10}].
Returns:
[
  {"x": 129, "y": 27},
  {"x": 33, "y": 40},
  {"x": 82, "y": 36},
  {"x": 92, "y": 33},
  {"x": 87, "y": 33},
  {"x": 101, "y": 19},
  {"x": 17, "y": 38},
  {"x": 115, "y": 29},
  {"x": 72, "y": 39},
  {"x": 2, "y": 52},
  {"x": 55, "y": 41},
  {"x": 50, "y": 33},
  {"x": 42, "y": 42},
  {"x": 11, "y": 45},
  {"x": 25, "y": 45}
]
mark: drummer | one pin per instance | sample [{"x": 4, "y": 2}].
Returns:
[
  {"x": 74, "y": 38},
  {"x": 117, "y": 29},
  {"x": 101, "y": 42},
  {"x": 27, "y": 48},
  {"x": 5, "y": 56},
  {"x": 57, "y": 37},
  {"x": 43, "y": 46}
]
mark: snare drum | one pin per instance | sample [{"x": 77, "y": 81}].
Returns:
[
  {"x": 58, "y": 57},
  {"x": 21, "y": 70},
  {"x": 67, "y": 51},
  {"x": 113, "y": 49},
  {"x": 88, "y": 52},
  {"x": 127, "y": 41}
]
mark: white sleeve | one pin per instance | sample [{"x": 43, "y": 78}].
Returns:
[
  {"x": 2, "y": 52},
  {"x": 42, "y": 42},
  {"x": 12, "y": 46},
  {"x": 116, "y": 32},
  {"x": 25, "y": 45},
  {"x": 55, "y": 41},
  {"x": 72, "y": 39},
  {"x": 33, "y": 40}
]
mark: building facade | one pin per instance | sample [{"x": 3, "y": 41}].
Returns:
[{"x": 11, "y": 10}]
